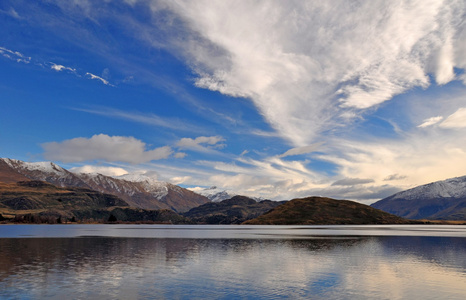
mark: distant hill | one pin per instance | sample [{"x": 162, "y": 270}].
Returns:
[
  {"x": 231, "y": 211},
  {"x": 324, "y": 211},
  {"x": 440, "y": 200},
  {"x": 140, "y": 192}
]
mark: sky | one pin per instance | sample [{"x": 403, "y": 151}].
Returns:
[{"x": 275, "y": 99}]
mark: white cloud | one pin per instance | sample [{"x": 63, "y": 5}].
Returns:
[
  {"x": 104, "y": 81},
  {"x": 456, "y": 120},
  {"x": 180, "y": 179},
  {"x": 306, "y": 63},
  {"x": 59, "y": 68},
  {"x": 104, "y": 147},
  {"x": 301, "y": 150},
  {"x": 430, "y": 121},
  {"x": 180, "y": 155},
  {"x": 104, "y": 170},
  {"x": 196, "y": 144}
]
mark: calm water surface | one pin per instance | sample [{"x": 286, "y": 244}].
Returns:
[{"x": 232, "y": 262}]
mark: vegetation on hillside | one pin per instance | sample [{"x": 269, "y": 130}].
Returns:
[
  {"x": 325, "y": 211},
  {"x": 232, "y": 211}
]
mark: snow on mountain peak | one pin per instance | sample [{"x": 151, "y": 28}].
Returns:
[
  {"x": 159, "y": 189},
  {"x": 449, "y": 188},
  {"x": 48, "y": 167},
  {"x": 44, "y": 166},
  {"x": 137, "y": 177},
  {"x": 213, "y": 193}
]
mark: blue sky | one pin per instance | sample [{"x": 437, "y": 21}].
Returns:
[{"x": 275, "y": 99}]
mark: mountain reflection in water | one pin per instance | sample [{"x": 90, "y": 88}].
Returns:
[{"x": 367, "y": 267}]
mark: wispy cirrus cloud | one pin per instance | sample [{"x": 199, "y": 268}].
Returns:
[
  {"x": 21, "y": 58},
  {"x": 301, "y": 150},
  {"x": 11, "y": 12},
  {"x": 143, "y": 118},
  {"x": 334, "y": 60},
  {"x": 14, "y": 55}
]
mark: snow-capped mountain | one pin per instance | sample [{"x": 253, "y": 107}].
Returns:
[
  {"x": 213, "y": 193},
  {"x": 216, "y": 194},
  {"x": 44, "y": 171},
  {"x": 158, "y": 189},
  {"x": 139, "y": 191},
  {"x": 444, "y": 199},
  {"x": 449, "y": 188}
]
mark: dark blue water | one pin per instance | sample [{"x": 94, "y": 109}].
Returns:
[{"x": 232, "y": 262}]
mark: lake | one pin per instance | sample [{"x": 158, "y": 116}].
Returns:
[{"x": 232, "y": 262}]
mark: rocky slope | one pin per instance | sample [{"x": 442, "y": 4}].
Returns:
[
  {"x": 325, "y": 211},
  {"x": 231, "y": 211},
  {"x": 36, "y": 195},
  {"x": 141, "y": 192},
  {"x": 440, "y": 200},
  {"x": 41, "y": 202}
]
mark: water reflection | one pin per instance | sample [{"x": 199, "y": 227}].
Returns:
[{"x": 139, "y": 268}]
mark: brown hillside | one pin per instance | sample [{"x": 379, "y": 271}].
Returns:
[
  {"x": 40, "y": 195},
  {"x": 8, "y": 175},
  {"x": 325, "y": 211}
]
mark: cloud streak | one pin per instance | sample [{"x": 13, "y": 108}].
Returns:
[
  {"x": 95, "y": 77},
  {"x": 352, "y": 181},
  {"x": 211, "y": 144},
  {"x": 21, "y": 58},
  {"x": 430, "y": 121},
  {"x": 14, "y": 55},
  {"x": 149, "y": 119},
  {"x": 301, "y": 150}
]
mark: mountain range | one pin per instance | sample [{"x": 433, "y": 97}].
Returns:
[
  {"x": 139, "y": 192},
  {"x": 139, "y": 197},
  {"x": 440, "y": 200}
]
